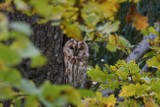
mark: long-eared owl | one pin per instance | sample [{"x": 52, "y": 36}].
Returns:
[{"x": 76, "y": 55}]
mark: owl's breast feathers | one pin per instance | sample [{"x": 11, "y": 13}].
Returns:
[{"x": 75, "y": 59}]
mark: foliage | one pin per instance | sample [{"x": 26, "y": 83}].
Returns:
[{"x": 100, "y": 22}]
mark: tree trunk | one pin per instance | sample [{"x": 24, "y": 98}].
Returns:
[{"x": 49, "y": 40}]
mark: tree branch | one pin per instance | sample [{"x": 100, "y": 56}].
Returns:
[
  {"x": 141, "y": 48},
  {"x": 136, "y": 54}
]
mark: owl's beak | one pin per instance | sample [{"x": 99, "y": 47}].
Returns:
[{"x": 75, "y": 53}]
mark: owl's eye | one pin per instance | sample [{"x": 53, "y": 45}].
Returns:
[
  {"x": 71, "y": 47},
  {"x": 81, "y": 48}
]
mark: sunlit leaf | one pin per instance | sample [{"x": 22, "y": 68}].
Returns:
[
  {"x": 97, "y": 75},
  {"x": 58, "y": 12},
  {"x": 127, "y": 90},
  {"x": 91, "y": 19},
  {"x": 45, "y": 11},
  {"x": 76, "y": 33},
  {"x": 154, "y": 62},
  {"x": 21, "y": 5},
  {"x": 110, "y": 101},
  {"x": 141, "y": 90},
  {"x": 109, "y": 8},
  {"x": 38, "y": 61},
  {"x": 149, "y": 30}
]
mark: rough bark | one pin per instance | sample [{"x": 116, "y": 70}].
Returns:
[{"x": 49, "y": 40}]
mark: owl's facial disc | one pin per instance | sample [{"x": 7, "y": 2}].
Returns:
[
  {"x": 76, "y": 48},
  {"x": 75, "y": 52}
]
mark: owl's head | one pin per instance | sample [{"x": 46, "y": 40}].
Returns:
[{"x": 76, "y": 48}]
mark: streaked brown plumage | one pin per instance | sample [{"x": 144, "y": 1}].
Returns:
[{"x": 75, "y": 57}]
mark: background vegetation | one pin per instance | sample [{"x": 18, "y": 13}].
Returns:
[{"x": 112, "y": 29}]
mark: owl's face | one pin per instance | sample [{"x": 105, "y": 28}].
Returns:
[{"x": 76, "y": 48}]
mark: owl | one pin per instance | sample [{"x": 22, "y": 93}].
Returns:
[{"x": 76, "y": 55}]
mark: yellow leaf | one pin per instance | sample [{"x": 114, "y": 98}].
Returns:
[
  {"x": 113, "y": 68},
  {"x": 135, "y": 1},
  {"x": 111, "y": 101},
  {"x": 113, "y": 39},
  {"x": 127, "y": 90},
  {"x": 72, "y": 30},
  {"x": 99, "y": 95},
  {"x": 154, "y": 62},
  {"x": 11, "y": 105},
  {"x": 109, "y": 7}
]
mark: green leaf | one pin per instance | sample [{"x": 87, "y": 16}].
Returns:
[
  {"x": 129, "y": 103},
  {"x": 5, "y": 92},
  {"x": 97, "y": 75},
  {"x": 10, "y": 76},
  {"x": 154, "y": 62},
  {"x": 148, "y": 31},
  {"x": 109, "y": 27},
  {"x": 122, "y": 73},
  {"x": 38, "y": 61},
  {"x": 91, "y": 19},
  {"x": 1, "y": 105},
  {"x": 141, "y": 90},
  {"x": 21, "y": 27},
  {"x": 111, "y": 47},
  {"x": 133, "y": 67},
  {"x": 111, "y": 84},
  {"x": 8, "y": 56},
  {"x": 149, "y": 54},
  {"x": 31, "y": 101},
  {"x": 124, "y": 42},
  {"x": 102, "y": 101},
  {"x": 86, "y": 93},
  {"x": 61, "y": 94},
  {"x": 155, "y": 86},
  {"x": 45, "y": 11},
  {"x": 90, "y": 7},
  {"x": 47, "y": 92}
]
